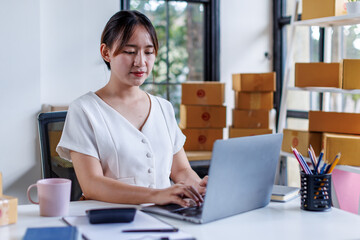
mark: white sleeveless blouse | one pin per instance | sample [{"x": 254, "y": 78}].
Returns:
[{"x": 141, "y": 158}]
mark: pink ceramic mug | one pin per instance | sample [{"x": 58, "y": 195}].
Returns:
[{"x": 53, "y": 195}]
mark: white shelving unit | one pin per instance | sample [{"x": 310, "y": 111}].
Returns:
[
  {"x": 328, "y": 23},
  {"x": 349, "y": 19},
  {"x": 330, "y": 90}
]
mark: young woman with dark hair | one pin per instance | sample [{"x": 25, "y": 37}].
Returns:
[{"x": 124, "y": 143}]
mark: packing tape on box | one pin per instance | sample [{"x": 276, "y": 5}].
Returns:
[
  {"x": 251, "y": 113},
  {"x": 294, "y": 133},
  {"x": 255, "y": 101}
]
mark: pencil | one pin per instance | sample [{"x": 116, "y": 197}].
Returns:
[
  {"x": 329, "y": 166},
  {"x": 302, "y": 165},
  {"x": 305, "y": 163},
  {"x": 333, "y": 164},
  {"x": 297, "y": 158}
]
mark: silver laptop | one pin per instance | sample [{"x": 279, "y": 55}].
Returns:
[{"x": 241, "y": 178}]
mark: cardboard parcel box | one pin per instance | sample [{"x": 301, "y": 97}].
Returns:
[
  {"x": 334, "y": 122},
  {"x": 318, "y": 75},
  {"x": 8, "y": 210},
  {"x": 254, "y": 100},
  {"x": 301, "y": 140},
  {"x": 322, "y": 8},
  {"x": 351, "y": 74},
  {"x": 347, "y": 145},
  {"x": 254, "y": 82},
  {"x": 254, "y": 118},
  {"x": 244, "y": 132},
  {"x": 201, "y": 139},
  {"x": 202, "y": 93},
  {"x": 192, "y": 116}
]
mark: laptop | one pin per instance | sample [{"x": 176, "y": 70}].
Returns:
[{"x": 241, "y": 178}]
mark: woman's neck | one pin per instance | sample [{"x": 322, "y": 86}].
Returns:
[{"x": 120, "y": 91}]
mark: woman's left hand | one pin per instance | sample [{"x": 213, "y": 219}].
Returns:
[{"x": 202, "y": 186}]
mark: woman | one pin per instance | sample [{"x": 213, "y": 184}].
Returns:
[{"x": 125, "y": 143}]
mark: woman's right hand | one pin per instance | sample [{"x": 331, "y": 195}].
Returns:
[{"x": 176, "y": 194}]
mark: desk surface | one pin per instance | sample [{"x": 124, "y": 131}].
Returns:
[{"x": 276, "y": 221}]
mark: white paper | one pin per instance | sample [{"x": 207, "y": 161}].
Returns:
[{"x": 114, "y": 230}]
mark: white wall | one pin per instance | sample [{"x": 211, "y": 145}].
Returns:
[
  {"x": 70, "y": 37},
  {"x": 246, "y": 34},
  {"x": 20, "y": 94},
  {"x": 50, "y": 54}
]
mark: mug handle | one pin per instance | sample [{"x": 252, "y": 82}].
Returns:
[{"x": 28, "y": 193}]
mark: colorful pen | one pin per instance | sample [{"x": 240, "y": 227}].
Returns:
[
  {"x": 313, "y": 154},
  {"x": 323, "y": 168},
  {"x": 318, "y": 163},
  {"x": 311, "y": 158}
]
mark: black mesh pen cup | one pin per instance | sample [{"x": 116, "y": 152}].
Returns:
[{"x": 315, "y": 192}]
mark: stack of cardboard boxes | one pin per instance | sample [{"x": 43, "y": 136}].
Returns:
[
  {"x": 8, "y": 207},
  {"x": 202, "y": 114},
  {"x": 253, "y": 113},
  {"x": 333, "y": 131},
  {"x": 340, "y": 133}
]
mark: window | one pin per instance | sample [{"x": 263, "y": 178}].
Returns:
[
  {"x": 188, "y": 34},
  {"x": 345, "y": 44},
  {"x": 307, "y": 47}
]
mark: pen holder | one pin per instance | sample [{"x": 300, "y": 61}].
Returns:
[{"x": 315, "y": 192}]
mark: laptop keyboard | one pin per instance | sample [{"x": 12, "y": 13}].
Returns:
[
  {"x": 189, "y": 211},
  {"x": 193, "y": 211}
]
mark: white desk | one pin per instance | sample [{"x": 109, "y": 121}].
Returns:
[{"x": 276, "y": 221}]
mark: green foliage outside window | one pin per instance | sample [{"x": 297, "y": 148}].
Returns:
[{"x": 179, "y": 27}]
